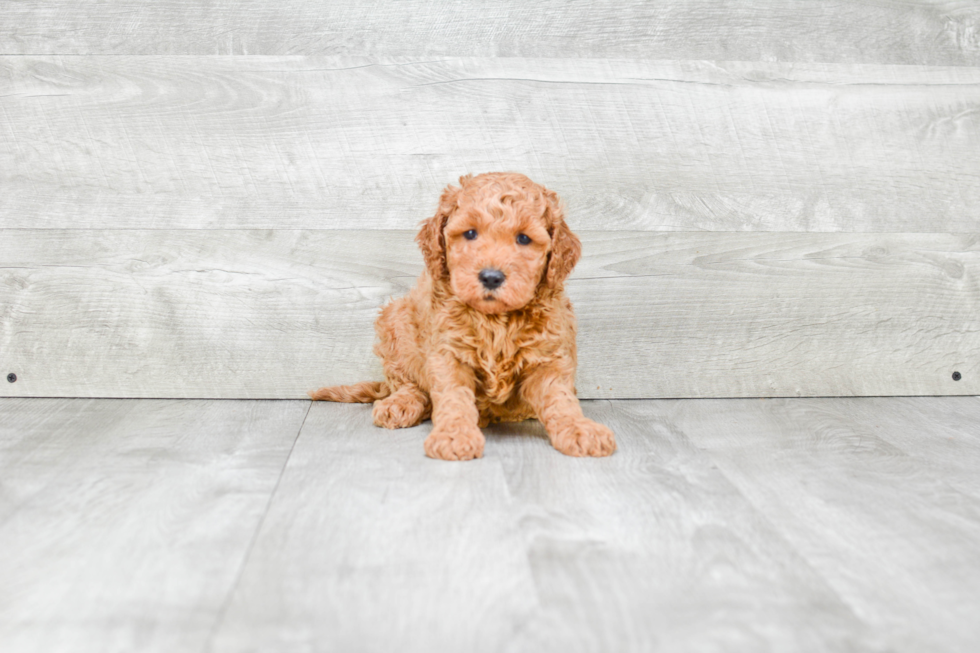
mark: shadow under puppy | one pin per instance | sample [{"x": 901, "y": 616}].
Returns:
[{"x": 487, "y": 333}]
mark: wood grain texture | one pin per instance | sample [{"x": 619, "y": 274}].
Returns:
[
  {"x": 864, "y": 31},
  {"x": 736, "y": 525},
  {"x": 273, "y": 314},
  {"x": 881, "y": 523},
  {"x": 334, "y": 142},
  {"x": 371, "y": 546},
  {"x": 124, "y": 524},
  {"x": 827, "y": 524},
  {"x": 653, "y": 549},
  {"x": 949, "y": 452}
]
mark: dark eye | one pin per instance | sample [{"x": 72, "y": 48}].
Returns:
[
  {"x": 470, "y": 235},
  {"x": 523, "y": 239}
]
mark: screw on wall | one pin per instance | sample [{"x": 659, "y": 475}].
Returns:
[
  {"x": 957, "y": 376},
  {"x": 11, "y": 377}
]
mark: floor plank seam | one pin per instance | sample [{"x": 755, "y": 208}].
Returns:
[{"x": 219, "y": 619}]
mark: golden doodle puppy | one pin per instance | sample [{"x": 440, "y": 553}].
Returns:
[{"x": 486, "y": 334}]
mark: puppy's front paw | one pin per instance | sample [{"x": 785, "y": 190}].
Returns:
[
  {"x": 584, "y": 437},
  {"x": 455, "y": 443}
]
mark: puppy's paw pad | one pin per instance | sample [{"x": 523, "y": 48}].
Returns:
[
  {"x": 585, "y": 438},
  {"x": 454, "y": 444}
]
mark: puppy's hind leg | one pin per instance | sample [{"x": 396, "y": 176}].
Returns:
[{"x": 407, "y": 406}]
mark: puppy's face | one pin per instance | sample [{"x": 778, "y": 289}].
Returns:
[
  {"x": 496, "y": 251},
  {"x": 498, "y": 239}
]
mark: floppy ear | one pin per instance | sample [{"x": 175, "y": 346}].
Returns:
[
  {"x": 430, "y": 238},
  {"x": 566, "y": 248}
]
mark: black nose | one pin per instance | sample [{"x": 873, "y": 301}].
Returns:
[{"x": 491, "y": 279}]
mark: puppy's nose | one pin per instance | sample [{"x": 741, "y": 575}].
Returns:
[{"x": 491, "y": 279}]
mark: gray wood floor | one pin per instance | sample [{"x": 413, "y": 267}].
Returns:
[{"x": 719, "y": 525}]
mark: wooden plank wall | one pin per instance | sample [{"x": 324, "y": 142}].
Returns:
[
  {"x": 212, "y": 199},
  {"x": 931, "y": 32}
]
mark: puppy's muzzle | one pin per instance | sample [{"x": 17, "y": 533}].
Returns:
[{"x": 491, "y": 278}]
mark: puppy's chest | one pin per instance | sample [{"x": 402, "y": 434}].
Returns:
[{"x": 500, "y": 357}]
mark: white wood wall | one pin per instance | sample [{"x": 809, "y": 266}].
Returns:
[{"x": 212, "y": 199}]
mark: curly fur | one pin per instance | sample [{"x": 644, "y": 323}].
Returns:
[{"x": 468, "y": 356}]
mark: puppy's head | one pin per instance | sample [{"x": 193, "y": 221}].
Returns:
[{"x": 498, "y": 240}]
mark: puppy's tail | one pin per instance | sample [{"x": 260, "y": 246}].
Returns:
[{"x": 365, "y": 392}]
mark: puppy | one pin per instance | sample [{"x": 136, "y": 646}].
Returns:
[{"x": 487, "y": 333}]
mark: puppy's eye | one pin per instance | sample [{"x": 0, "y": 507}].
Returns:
[
  {"x": 470, "y": 235},
  {"x": 523, "y": 239}
]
